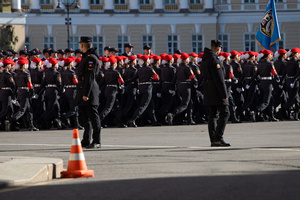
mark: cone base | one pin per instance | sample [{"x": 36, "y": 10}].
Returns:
[{"x": 77, "y": 174}]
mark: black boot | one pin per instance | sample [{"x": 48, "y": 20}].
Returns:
[
  {"x": 32, "y": 127},
  {"x": 57, "y": 123},
  {"x": 170, "y": 118},
  {"x": 131, "y": 123},
  {"x": 77, "y": 124},
  {"x": 234, "y": 119}
]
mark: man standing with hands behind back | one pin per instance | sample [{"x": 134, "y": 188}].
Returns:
[
  {"x": 87, "y": 97},
  {"x": 215, "y": 94}
]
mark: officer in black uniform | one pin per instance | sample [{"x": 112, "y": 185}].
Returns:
[
  {"x": 87, "y": 96},
  {"x": 145, "y": 76},
  {"x": 130, "y": 98},
  {"x": 37, "y": 77},
  {"x": 265, "y": 70},
  {"x": 156, "y": 90},
  {"x": 186, "y": 79},
  {"x": 25, "y": 92},
  {"x": 51, "y": 85},
  {"x": 69, "y": 82},
  {"x": 215, "y": 94},
  {"x": 292, "y": 74},
  {"x": 7, "y": 85},
  {"x": 128, "y": 50}
]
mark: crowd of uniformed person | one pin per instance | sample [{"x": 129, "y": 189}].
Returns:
[{"x": 38, "y": 89}]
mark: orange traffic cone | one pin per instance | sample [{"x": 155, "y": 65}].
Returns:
[{"x": 77, "y": 166}]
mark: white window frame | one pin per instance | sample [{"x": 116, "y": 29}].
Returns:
[
  {"x": 48, "y": 42},
  {"x": 255, "y": 43},
  {"x": 145, "y": 2},
  {"x": 197, "y": 41},
  {"x": 195, "y": 2},
  {"x": 170, "y": 2},
  {"x": 172, "y": 42},
  {"x": 282, "y": 35},
  {"x": 221, "y": 37},
  {"x": 28, "y": 42},
  {"x": 74, "y": 44},
  {"x": 95, "y": 2},
  {"x": 99, "y": 43},
  {"x": 122, "y": 42},
  {"x": 120, "y": 2},
  {"x": 45, "y": 2}
]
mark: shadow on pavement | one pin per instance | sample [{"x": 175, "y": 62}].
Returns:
[{"x": 283, "y": 185}]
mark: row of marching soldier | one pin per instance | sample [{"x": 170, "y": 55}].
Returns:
[{"x": 38, "y": 92}]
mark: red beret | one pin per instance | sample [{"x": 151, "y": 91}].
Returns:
[
  {"x": 176, "y": 56},
  {"x": 22, "y": 61},
  {"x": 68, "y": 60},
  {"x": 119, "y": 58},
  {"x": 139, "y": 56},
  {"x": 234, "y": 53},
  {"x": 295, "y": 50},
  {"x": 53, "y": 61},
  {"x": 168, "y": 57},
  {"x": 105, "y": 59},
  {"x": 221, "y": 53},
  {"x": 200, "y": 55},
  {"x": 266, "y": 52},
  {"x": 184, "y": 56},
  {"x": 193, "y": 54},
  {"x": 282, "y": 51},
  {"x": 112, "y": 60},
  {"x": 72, "y": 57},
  {"x": 36, "y": 60},
  {"x": 144, "y": 57},
  {"x": 131, "y": 58},
  {"x": 78, "y": 60},
  {"x": 261, "y": 51},
  {"x": 225, "y": 54},
  {"x": 62, "y": 59},
  {"x": 8, "y": 61},
  {"x": 155, "y": 57},
  {"x": 251, "y": 53}
]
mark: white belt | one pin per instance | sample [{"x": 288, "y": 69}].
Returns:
[
  {"x": 145, "y": 83},
  {"x": 23, "y": 88},
  {"x": 248, "y": 77},
  {"x": 227, "y": 80},
  {"x": 290, "y": 77},
  {"x": 51, "y": 85},
  {"x": 265, "y": 78},
  {"x": 37, "y": 85},
  {"x": 6, "y": 88},
  {"x": 70, "y": 86},
  {"x": 156, "y": 83},
  {"x": 111, "y": 86}
]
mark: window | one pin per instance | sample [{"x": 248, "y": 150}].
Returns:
[
  {"x": 278, "y": 1},
  {"x": 145, "y": 2},
  {"x": 27, "y": 43},
  {"x": 148, "y": 40},
  {"x": 74, "y": 42},
  {"x": 23, "y": 2},
  {"x": 193, "y": 2},
  {"x": 170, "y": 2},
  {"x": 197, "y": 43},
  {"x": 49, "y": 42},
  {"x": 122, "y": 40},
  {"x": 281, "y": 44},
  {"x": 172, "y": 43},
  {"x": 45, "y": 2},
  {"x": 249, "y": 1},
  {"x": 222, "y": 2},
  {"x": 98, "y": 42},
  {"x": 249, "y": 42},
  {"x": 120, "y": 2},
  {"x": 225, "y": 42},
  {"x": 95, "y": 2}
]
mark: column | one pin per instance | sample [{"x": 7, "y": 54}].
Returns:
[
  {"x": 34, "y": 6},
  {"x": 184, "y": 6},
  {"x": 16, "y": 6},
  {"x": 133, "y": 6},
  {"x": 159, "y": 6},
  {"x": 208, "y": 5},
  {"x": 84, "y": 6},
  {"x": 108, "y": 6}
]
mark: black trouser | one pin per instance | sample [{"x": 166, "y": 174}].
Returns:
[
  {"x": 90, "y": 121},
  {"x": 110, "y": 95},
  {"x": 293, "y": 95},
  {"x": 23, "y": 98},
  {"x": 167, "y": 99},
  {"x": 52, "y": 105},
  {"x": 279, "y": 95},
  {"x": 38, "y": 105},
  {"x": 129, "y": 101},
  {"x": 184, "y": 91},
  {"x": 238, "y": 98},
  {"x": 145, "y": 99},
  {"x": 265, "y": 88},
  {"x": 217, "y": 119},
  {"x": 6, "y": 105},
  {"x": 230, "y": 99},
  {"x": 70, "y": 95},
  {"x": 249, "y": 95}
]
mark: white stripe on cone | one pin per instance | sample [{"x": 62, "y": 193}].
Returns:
[
  {"x": 76, "y": 141},
  {"x": 76, "y": 156}
]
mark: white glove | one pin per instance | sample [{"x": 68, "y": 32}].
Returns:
[
  {"x": 278, "y": 80},
  {"x": 14, "y": 101},
  {"x": 122, "y": 87},
  {"x": 239, "y": 90},
  {"x": 172, "y": 92},
  {"x": 138, "y": 91},
  {"x": 292, "y": 85},
  {"x": 236, "y": 81},
  {"x": 280, "y": 86},
  {"x": 158, "y": 95},
  {"x": 198, "y": 92},
  {"x": 256, "y": 87},
  {"x": 247, "y": 87},
  {"x": 58, "y": 97},
  {"x": 64, "y": 90},
  {"x": 35, "y": 96}
]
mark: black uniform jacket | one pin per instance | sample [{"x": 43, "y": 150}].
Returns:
[
  {"x": 87, "y": 84},
  {"x": 213, "y": 74}
]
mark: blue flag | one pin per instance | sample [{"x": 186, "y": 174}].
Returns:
[{"x": 268, "y": 33}]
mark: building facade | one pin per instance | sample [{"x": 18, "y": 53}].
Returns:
[{"x": 165, "y": 25}]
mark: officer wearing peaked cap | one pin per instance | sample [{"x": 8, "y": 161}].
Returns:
[
  {"x": 87, "y": 97},
  {"x": 128, "y": 50},
  {"x": 215, "y": 93}
]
